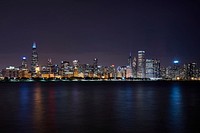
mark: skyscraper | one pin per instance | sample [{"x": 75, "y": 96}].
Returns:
[
  {"x": 191, "y": 71},
  {"x": 24, "y": 63},
  {"x": 129, "y": 71},
  {"x": 176, "y": 70},
  {"x": 76, "y": 63},
  {"x": 95, "y": 62},
  {"x": 134, "y": 65},
  {"x": 149, "y": 68},
  {"x": 130, "y": 60},
  {"x": 95, "y": 66},
  {"x": 141, "y": 64},
  {"x": 152, "y": 68},
  {"x": 34, "y": 60}
]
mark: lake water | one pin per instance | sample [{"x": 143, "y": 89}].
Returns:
[{"x": 100, "y": 107}]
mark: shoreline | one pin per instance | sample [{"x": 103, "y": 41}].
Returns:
[{"x": 95, "y": 80}]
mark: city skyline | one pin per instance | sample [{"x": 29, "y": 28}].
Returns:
[
  {"x": 34, "y": 60},
  {"x": 136, "y": 68},
  {"x": 66, "y": 30}
]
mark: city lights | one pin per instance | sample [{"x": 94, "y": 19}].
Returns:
[
  {"x": 137, "y": 68},
  {"x": 176, "y": 62}
]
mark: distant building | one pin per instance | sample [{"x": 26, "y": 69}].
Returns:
[
  {"x": 65, "y": 65},
  {"x": 163, "y": 72},
  {"x": 87, "y": 70},
  {"x": 24, "y": 72},
  {"x": 134, "y": 67},
  {"x": 24, "y": 65},
  {"x": 75, "y": 67},
  {"x": 149, "y": 68},
  {"x": 169, "y": 72},
  {"x": 121, "y": 72},
  {"x": 10, "y": 72},
  {"x": 191, "y": 71},
  {"x": 129, "y": 72},
  {"x": 66, "y": 69},
  {"x": 34, "y": 60},
  {"x": 75, "y": 63},
  {"x": 111, "y": 72},
  {"x": 129, "y": 68},
  {"x": 176, "y": 69},
  {"x": 95, "y": 63},
  {"x": 49, "y": 70},
  {"x": 141, "y": 64},
  {"x": 130, "y": 60},
  {"x": 152, "y": 68}
]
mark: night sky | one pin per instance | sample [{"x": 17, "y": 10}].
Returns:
[{"x": 107, "y": 30}]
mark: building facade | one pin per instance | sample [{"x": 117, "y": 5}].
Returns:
[
  {"x": 152, "y": 68},
  {"x": 34, "y": 60},
  {"x": 141, "y": 64}
]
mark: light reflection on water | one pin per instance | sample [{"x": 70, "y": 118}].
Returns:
[
  {"x": 176, "y": 117},
  {"x": 38, "y": 110},
  {"x": 98, "y": 107}
]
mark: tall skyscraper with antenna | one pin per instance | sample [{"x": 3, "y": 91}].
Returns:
[
  {"x": 129, "y": 69},
  {"x": 34, "y": 60},
  {"x": 130, "y": 60}
]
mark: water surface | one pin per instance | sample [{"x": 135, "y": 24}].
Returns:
[{"x": 100, "y": 107}]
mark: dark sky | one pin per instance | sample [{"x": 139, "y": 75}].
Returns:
[{"x": 107, "y": 30}]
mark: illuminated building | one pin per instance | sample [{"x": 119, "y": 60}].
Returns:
[
  {"x": 169, "y": 72},
  {"x": 55, "y": 69},
  {"x": 118, "y": 73},
  {"x": 152, "y": 68},
  {"x": 24, "y": 72},
  {"x": 87, "y": 70},
  {"x": 95, "y": 67},
  {"x": 141, "y": 64},
  {"x": 129, "y": 71},
  {"x": 75, "y": 63},
  {"x": 64, "y": 64},
  {"x": 49, "y": 66},
  {"x": 10, "y": 72},
  {"x": 176, "y": 70},
  {"x": 111, "y": 72},
  {"x": 105, "y": 73},
  {"x": 121, "y": 72},
  {"x": 149, "y": 68},
  {"x": 34, "y": 60},
  {"x": 24, "y": 65},
  {"x": 49, "y": 70},
  {"x": 95, "y": 63},
  {"x": 163, "y": 72},
  {"x": 130, "y": 60},
  {"x": 191, "y": 71},
  {"x": 134, "y": 67},
  {"x": 75, "y": 71},
  {"x": 66, "y": 69},
  {"x": 157, "y": 69}
]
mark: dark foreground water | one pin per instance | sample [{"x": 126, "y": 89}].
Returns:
[{"x": 100, "y": 107}]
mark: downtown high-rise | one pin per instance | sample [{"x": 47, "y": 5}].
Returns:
[
  {"x": 141, "y": 65},
  {"x": 34, "y": 60},
  {"x": 152, "y": 68},
  {"x": 129, "y": 69}
]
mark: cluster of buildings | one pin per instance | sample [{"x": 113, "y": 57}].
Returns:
[{"x": 137, "y": 68}]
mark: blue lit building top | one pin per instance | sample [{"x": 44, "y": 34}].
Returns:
[
  {"x": 176, "y": 61},
  {"x": 34, "y": 45}
]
